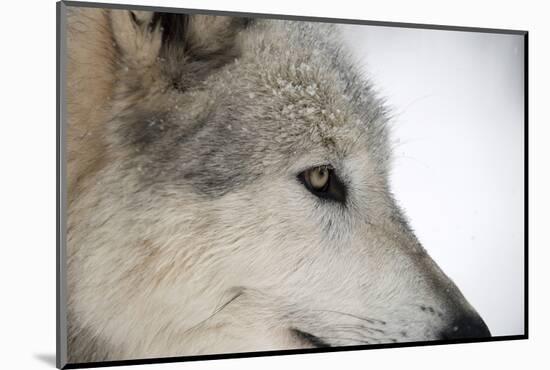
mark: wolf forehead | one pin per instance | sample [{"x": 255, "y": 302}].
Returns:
[{"x": 289, "y": 89}]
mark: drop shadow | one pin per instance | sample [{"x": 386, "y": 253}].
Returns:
[{"x": 47, "y": 358}]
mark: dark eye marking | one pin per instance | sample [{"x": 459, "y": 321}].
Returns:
[{"x": 323, "y": 182}]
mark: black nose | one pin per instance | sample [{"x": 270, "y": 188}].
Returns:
[{"x": 466, "y": 327}]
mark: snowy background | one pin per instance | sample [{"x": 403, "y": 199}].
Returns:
[{"x": 458, "y": 138}]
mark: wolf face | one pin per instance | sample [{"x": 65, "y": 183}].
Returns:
[{"x": 234, "y": 195}]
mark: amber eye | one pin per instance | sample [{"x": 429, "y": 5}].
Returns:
[
  {"x": 318, "y": 178},
  {"x": 323, "y": 182}
]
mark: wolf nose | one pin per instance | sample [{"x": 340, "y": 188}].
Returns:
[{"x": 467, "y": 326}]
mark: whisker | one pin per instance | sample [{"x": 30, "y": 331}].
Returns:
[
  {"x": 216, "y": 311},
  {"x": 348, "y": 339},
  {"x": 367, "y": 319},
  {"x": 357, "y": 333},
  {"x": 361, "y": 328}
]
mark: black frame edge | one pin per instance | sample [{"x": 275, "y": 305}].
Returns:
[
  {"x": 57, "y": 208},
  {"x": 526, "y": 184},
  {"x": 61, "y": 319},
  {"x": 293, "y": 17},
  {"x": 285, "y": 352}
]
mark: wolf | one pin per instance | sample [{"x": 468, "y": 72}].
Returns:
[{"x": 228, "y": 191}]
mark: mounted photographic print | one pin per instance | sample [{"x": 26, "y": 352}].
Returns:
[{"x": 235, "y": 185}]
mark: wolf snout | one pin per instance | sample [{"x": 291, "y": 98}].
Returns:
[{"x": 466, "y": 326}]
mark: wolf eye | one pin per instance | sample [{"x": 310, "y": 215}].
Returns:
[
  {"x": 323, "y": 182},
  {"x": 317, "y": 178}
]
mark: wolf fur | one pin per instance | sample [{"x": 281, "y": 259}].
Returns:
[{"x": 188, "y": 232}]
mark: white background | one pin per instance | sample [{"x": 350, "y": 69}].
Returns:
[
  {"x": 27, "y": 190},
  {"x": 458, "y": 140}
]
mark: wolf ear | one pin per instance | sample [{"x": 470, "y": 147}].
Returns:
[
  {"x": 138, "y": 39},
  {"x": 185, "y": 47}
]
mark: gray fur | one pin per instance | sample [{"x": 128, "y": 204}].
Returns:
[
  {"x": 188, "y": 229},
  {"x": 221, "y": 145}
]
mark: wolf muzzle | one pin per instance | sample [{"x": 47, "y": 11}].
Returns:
[{"x": 466, "y": 326}]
